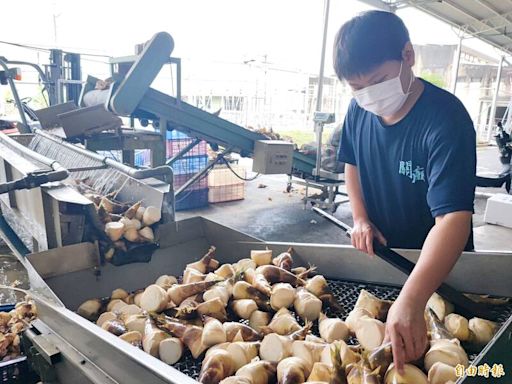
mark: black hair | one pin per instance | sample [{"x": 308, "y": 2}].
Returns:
[{"x": 367, "y": 41}]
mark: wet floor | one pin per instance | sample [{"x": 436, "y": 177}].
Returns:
[{"x": 12, "y": 272}]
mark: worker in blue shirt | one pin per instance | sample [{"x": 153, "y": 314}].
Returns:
[{"x": 410, "y": 154}]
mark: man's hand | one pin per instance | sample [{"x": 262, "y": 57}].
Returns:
[
  {"x": 362, "y": 236},
  {"x": 407, "y": 331}
]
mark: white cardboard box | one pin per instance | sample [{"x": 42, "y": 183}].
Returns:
[{"x": 499, "y": 210}]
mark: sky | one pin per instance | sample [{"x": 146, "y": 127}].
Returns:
[
  {"x": 288, "y": 32},
  {"x": 212, "y": 37}
]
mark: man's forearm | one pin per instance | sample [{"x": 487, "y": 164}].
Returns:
[
  {"x": 441, "y": 250},
  {"x": 354, "y": 193}
]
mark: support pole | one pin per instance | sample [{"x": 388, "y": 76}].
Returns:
[
  {"x": 322, "y": 58},
  {"x": 456, "y": 65},
  {"x": 492, "y": 116},
  {"x": 319, "y": 127}
]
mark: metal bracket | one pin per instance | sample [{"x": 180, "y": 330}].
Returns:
[{"x": 42, "y": 355}]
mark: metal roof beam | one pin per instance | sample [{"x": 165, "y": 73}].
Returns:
[
  {"x": 476, "y": 19},
  {"x": 490, "y": 8},
  {"x": 502, "y": 16},
  {"x": 455, "y": 24},
  {"x": 380, "y": 4}
]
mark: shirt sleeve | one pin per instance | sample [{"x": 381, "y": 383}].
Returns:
[
  {"x": 451, "y": 168},
  {"x": 346, "y": 147}
]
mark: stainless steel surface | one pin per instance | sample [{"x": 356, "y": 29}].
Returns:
[{"x": 31, "y": 211}]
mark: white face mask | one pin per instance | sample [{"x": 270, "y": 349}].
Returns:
[{"x": 385, "y": 98}]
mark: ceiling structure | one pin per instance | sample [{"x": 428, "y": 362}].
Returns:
[{"x": 487, "y": 20}]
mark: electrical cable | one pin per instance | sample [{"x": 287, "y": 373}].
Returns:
[
  {"x": 25, "y": 46},
  {"x": 236, "y": 174},
  {"x": 49, "y": 49}
]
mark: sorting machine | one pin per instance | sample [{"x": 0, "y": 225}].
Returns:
[
  {"x": 130, "y": 95},
  {"x": 45, "y": 216}
]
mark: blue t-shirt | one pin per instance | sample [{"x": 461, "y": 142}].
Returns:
[{"x": 415, "y": 170}]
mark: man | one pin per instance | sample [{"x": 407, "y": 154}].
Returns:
[{"x": 410, "y": 155}]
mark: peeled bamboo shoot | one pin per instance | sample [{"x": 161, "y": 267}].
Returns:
[
  {"x": 248, "y": 334},
  {"x": 412, "y": 374},
  {"x": 257, "y": 372},
  {"x": 133, "y": 337},
  {"x": 262, "y": 257},
  {"x": 243, "y": 352},
  {"x": 180, "y": 292},
  {"x": 293, "y": 370},
  {"x": 283, "y": 323},
  {"x": 441, "y": 373},
  {"x": 90, "y": 309},
  {"x": 216, "y": 366},
  {"x": 440, "y": 306},
  {"x": 154, "y": 299},
  {"x": 284, "y": 260},
  {"x": 170, "y": 350},
  {"x": 377, "y": 308},
  {"x": 332, "y": 329},
  {"x": 307, "y": 305},
  {"x": 105, "y": 316},
  {"x": 458, "y": 326},
  {"x": 259, "y": 319},
  {"x": 282, "y": 296},
  {"x": 482, "y": 330},
  {"x": 275, "y": 274},
  {"x": 213, "y": 332},
  {"x": 244, "y": 308},
  {"x": 166, "y": 281},
  {"x": 151, "y": 215},
  {"x": 152, "y": 338},
  {"x": 446, "y": 351},
  {"x": 370, "y": 332},
  {"x": 114, "y": 230}
]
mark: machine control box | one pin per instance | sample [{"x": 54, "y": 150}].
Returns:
[{"x": 272, "y": 157}]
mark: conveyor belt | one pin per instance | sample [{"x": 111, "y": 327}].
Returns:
[{"x": 346, "y": 293}]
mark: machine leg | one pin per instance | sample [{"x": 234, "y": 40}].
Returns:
[
  {"x": 289, "y": 184},
  {"x": 306, "y": 196},
  {"x": 128, "y": 157},
  {"x": 158, "y": 154}
]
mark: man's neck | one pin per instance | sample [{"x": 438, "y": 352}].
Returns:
[{"x": 417, "y": 88}]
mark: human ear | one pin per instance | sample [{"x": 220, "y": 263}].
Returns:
[{"x": 408, "y": 54}]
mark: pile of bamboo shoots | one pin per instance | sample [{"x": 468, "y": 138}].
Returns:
[
  {"x": 11, "y": 325},
  {"x": 124, "y": 224},
  {"x": 200, "y": 313}
]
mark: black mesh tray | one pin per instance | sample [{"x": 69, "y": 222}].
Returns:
[{"x": 346, "y": 292}]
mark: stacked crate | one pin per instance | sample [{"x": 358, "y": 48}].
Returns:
[
  {"x": 196, "y": 195},
  {"x": 224, "y": 185}
]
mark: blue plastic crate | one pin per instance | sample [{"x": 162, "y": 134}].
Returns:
[
  {"x": 176, "y": 135},
  {"x": 189, "y": 164},
  {"x": 142, "y": 157},
  {"x": 192, "y": 199},
  {"x": 173, "y": 147},
  {"x": 179, "y": 180}
]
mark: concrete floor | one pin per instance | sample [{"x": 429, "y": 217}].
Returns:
[{"x": 272, "y": 214}]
